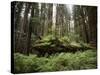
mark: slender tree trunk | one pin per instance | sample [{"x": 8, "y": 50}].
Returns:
[{"x": 54, "y": 19}]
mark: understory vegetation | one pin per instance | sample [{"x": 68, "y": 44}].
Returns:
[
  {"x": 50, "y": 45},
  {"x": 56, "y": 54},
  {"x": 55, "y": 62}
]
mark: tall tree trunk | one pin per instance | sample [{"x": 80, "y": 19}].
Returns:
[{"x": 54, "y": 19}]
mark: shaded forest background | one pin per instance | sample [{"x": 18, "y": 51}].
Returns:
[{"x": 45, "y": 29}]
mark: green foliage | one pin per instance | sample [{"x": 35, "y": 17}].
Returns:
[
  {"x": 24, "y": 63},
  {"x": 74, "y": 37},
  {"x": 48, "y": 38},
  {"x": 65, "y": 40},
  {"x": 55, "y": 62},
  {"x": 51, "y": 44}
]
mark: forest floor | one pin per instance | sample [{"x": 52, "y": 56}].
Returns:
[
  {"x": 55, "y": 62},
  {"x": 56, "y": 55}
]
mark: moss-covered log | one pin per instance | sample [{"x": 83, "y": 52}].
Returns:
[{"x": 57, "y": 46}]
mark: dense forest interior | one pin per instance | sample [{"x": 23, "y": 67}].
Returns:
[{"x": 53, "y": 37}]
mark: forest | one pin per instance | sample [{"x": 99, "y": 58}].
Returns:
[{"x": 53, "y": 37}]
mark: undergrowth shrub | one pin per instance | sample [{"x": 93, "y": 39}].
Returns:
[{"x": 55, "y": 62}]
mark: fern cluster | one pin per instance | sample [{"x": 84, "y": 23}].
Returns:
[{"x": 55, "y": 62}]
